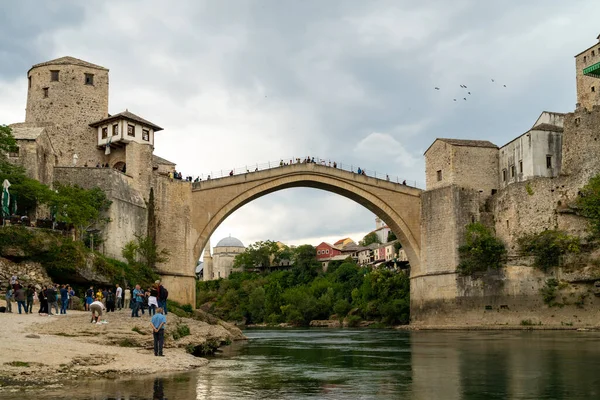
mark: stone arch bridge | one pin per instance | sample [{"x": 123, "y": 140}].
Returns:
[
  {"x": 397, "y": 205},
  {"x": 212, "y": 201}
]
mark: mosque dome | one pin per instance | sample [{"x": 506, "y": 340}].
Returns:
[{"x": 230, "y": 242}]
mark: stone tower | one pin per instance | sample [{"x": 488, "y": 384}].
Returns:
[
  {"x": 587, "y": 64},
  {"x": 208, "y": 263},
  {"x": 65, "y": 95}
]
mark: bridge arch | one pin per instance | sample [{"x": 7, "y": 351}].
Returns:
[{"x": 397, "y": 205}]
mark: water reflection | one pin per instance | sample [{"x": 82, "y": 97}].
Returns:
[{"x": 374, "y": 364}]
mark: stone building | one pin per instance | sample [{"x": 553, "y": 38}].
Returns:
[
  {"x": 68, "y": 132},
  {"x": 220, "y": 264},
  {"x": 526, "y": 186},
  {"x": 587, "y": 64}
]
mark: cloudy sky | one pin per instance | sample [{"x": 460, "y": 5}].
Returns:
[{"x": 241, "y": 82}]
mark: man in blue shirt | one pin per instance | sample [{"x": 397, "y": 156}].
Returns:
[
  {"x": 64, "y": 299},
  {"x": 158, "y": 323},
  {"x": 137, "y": 301}
]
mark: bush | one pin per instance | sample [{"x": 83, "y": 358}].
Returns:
[
  {"x": 182, "y": 330},
  {"x": 588, "y": 204},
  {"x": 353, "y": 321},
  {"x": 546, "y": 247},
  {"x": 549, "y": 291},
  {"x": 481, "y": 252}
]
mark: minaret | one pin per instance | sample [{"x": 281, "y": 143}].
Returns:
[{"x": 208, "y": 263}]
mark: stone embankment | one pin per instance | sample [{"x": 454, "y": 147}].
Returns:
[{"x": 51, "y": 350}]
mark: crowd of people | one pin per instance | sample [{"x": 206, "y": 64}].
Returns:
[
  {"x": 136, "y": 299},
  {"x": 54, "y": 296},
  {"x": 49, "y": 298},
  {"x": 282, "y": 163},
  {"x": 56, "y": 299}
]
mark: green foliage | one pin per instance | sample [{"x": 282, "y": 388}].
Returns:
[
  {"x": 142, "y": 253},
  {"x": 482, "y": 251},
  {"x": 391, "y": 237},
  {"x": 138, "y": 330},
  {"x": 187, "y": 308},
  {"x": 300, "y": 295},
  {"x": 588, "y": 204},
  {"x": 549, "y": 291},
  {"x": 62, "y": 257},
  {"x": 182, "y": 330},
  {"x": 529, "y": 189},
  {"x": 83, "y": 208},
  {"x": 259, "y": 254},
  {"x": 546, "y": 247},
  {"x": 369, "y": 238},
  {"x": 7, "y": 140},
  {"x": 527, "y": 322}
]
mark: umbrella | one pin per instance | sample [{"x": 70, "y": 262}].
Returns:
[{"x": 5, "y": 199}]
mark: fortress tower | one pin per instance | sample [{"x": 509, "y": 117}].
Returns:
[
  {"x": 587, "y": 64},
  {"x": 65, "y": 95}
]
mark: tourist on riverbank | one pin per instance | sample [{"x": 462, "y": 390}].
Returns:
[
  {"x": 64, "y": 299},
  {"x": 158, "y": 323},
  {"x": 110, "y": 301},
  {"x": 8, "y": 296},
  {"x": 119, "y": 296},
  {"x": 138, "y": 301},
  {"x": 51, "y": 296},
  {"x": 43, "y": 301},
  {"x": 30, "y": 292},
  {"x": 89, "y": 294},
  {"x": 20, "y": 298},
  {"x": 71, "y": 295},
  {"x": 96, "y": 308},
  {"x": 153, "y": 299},
  {"x": 163, "y": 295},
  {"x": 127, "y": 298}
]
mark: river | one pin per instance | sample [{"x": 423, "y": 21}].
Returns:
[{"x": 374, "y": 364}]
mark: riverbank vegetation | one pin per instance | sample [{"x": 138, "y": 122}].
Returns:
[
  {"x": 304, "y": 293},
  {"x": 481, "y": 252},
  {"x": 68, "y": 260}
]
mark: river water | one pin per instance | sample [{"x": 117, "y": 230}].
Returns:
[{"x": 375, "y": 364}]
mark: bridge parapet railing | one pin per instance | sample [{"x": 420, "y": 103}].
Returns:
[{"x": 223, "y": 173}]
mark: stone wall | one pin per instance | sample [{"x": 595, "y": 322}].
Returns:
[
  {"x": 127, "y": 213},
  {"x": 175, "y": 233},
  {"x": 511, "y": 296},
  {"x": 70, "y": 105}
]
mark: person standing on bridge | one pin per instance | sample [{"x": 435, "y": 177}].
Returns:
[
  {"x": 359, "y": 171},
  {"x": 387, "y": 177}
]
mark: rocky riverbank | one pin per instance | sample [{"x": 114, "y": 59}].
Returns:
[{"x": 52, "y": 350}]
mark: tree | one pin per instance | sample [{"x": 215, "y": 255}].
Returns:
[
  {"x": 481, "y": 251},
  {"x": 259, "y": 254},
  {"x": 143, "y": 251},
  {"x": 7, "y": 140},
  {"x": 369, "y": 238},
  {"x": 589, "y": 204},
  {"x": 391, "y": 237},
  {"x": 546, "y": 247},
  {"x": 80, "y": 207}
]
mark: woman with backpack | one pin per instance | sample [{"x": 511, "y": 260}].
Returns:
[{"x": 43, "y": 301}]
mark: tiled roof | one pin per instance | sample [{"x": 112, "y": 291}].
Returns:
[
  {"x": 129, "y": 116},
  {"x": 27, "y": 133},
  {"x": 547, "y": 127},
  {"x": 159, "y": 160},
  {"x": 69, "y": 61},
  {"x": 469, "y": 143}
]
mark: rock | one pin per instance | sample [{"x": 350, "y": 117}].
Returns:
[
  {"x": 354, "y": 311},
  {"x": 325, "y": 323},
  {"x": 32, "y": 336}
]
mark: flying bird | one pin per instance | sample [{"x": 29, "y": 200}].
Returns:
[
  {"x": 504, "y": 85},
  {"x": 464, "y": 98},
  {"x": 436, "y": 88},
  {"x": 493, "y": 80},
  {"x": 469, "y": 92},
  {"x": 454, "y": 99}
]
